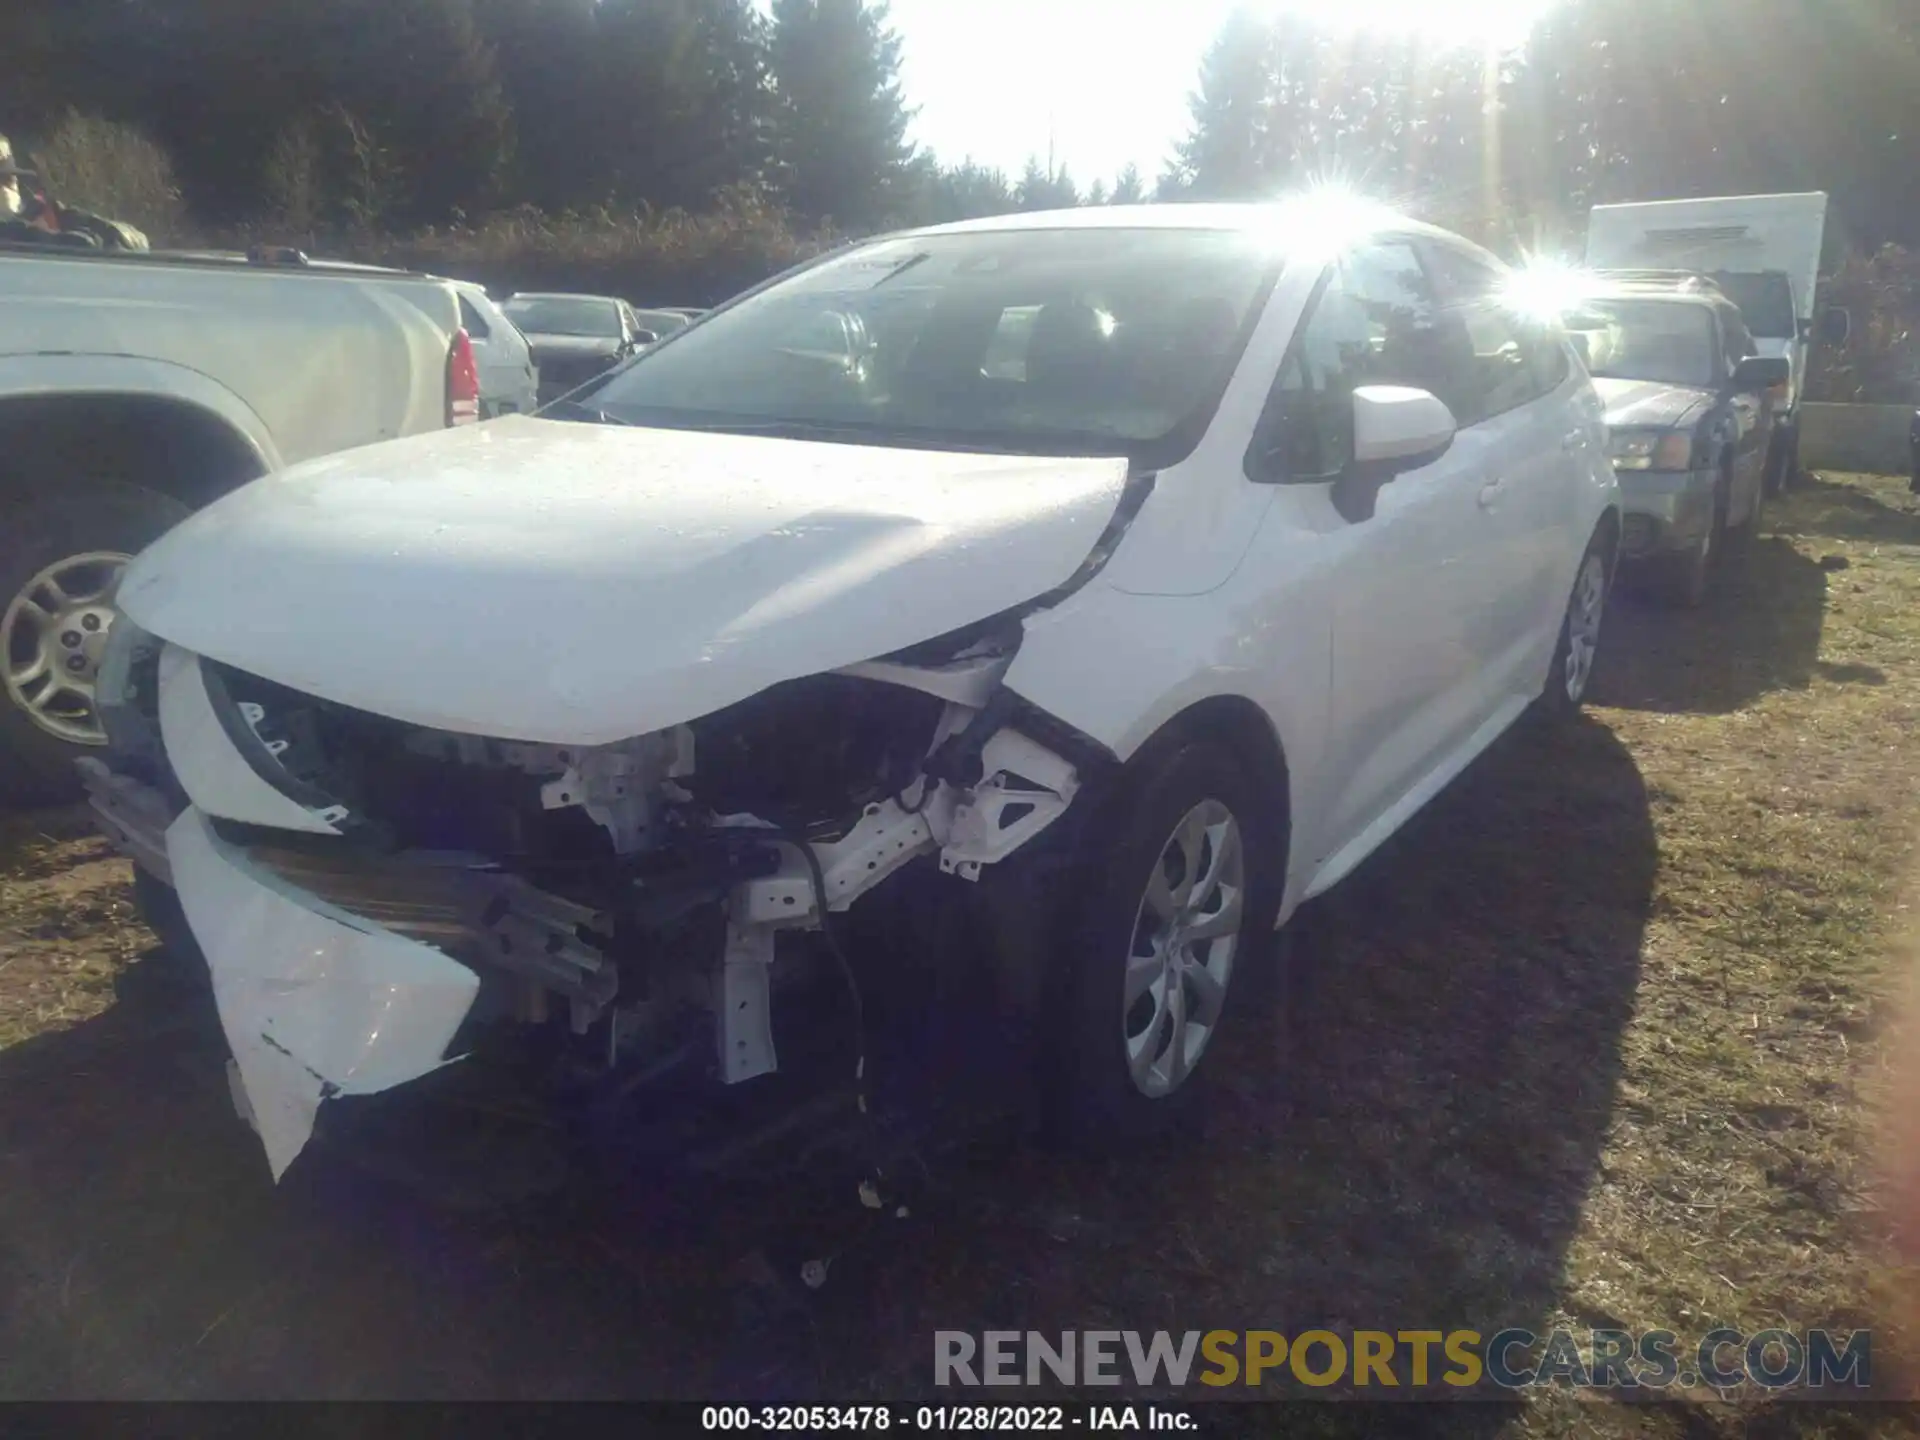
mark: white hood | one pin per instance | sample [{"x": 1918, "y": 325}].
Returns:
[{"x": 578, "y": 584}]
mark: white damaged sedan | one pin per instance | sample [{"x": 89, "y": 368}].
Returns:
[{"x": 1014, "y": 620}]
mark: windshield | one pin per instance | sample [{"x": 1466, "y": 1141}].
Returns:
[
  {"x": 565, "y": 316},
  {"x": 1647, "y": 340},
  {"x": 1104, "y": 341},
  {"x": 1765, "y": 301}
]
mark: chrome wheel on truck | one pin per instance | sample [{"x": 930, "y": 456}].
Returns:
[
  {"x": 52, "y": 637},
  {"x": 61, "y": 556}
]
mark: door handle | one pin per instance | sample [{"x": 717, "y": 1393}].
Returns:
[{"x": 1491, "y": 492}]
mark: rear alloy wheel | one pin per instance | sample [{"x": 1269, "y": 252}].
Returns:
[
  {"x": 1182, "y": 898},
  {"x": 1580, "y": 628}
]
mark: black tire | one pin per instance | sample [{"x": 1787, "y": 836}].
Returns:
[
  {"x": 36, "y": 768},
  {"x": 1748, "y": 530},
  {"x": 1096, "y": 1102},
  {"x": 1563, "y": 699},
  {"x": 1783, "y": 464},
  {"x": 1686, "y": 580}
]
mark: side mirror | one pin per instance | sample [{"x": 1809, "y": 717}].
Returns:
[
  {"x": 1758, "y": 374},
  {"x": 1836, "y": 326},
  {"x": 1395, "y": 429}
]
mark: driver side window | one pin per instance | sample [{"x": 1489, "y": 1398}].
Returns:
[{"x": 1375, "y": 322}]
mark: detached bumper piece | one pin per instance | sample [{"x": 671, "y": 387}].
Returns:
[{"x": 314, "y": 1001}]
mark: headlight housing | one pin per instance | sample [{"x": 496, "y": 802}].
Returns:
[{"x": 1665, "y": 450}]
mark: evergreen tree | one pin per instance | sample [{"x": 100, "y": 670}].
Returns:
[
  {"x": 1039, "y": 190},
  {"x": 839, "y": 119},
  {"x": 1129, "y": 189},
  {"x": 1225, "y": 154},
  {"x": 959, "y": 192},
  {"x": 682, "y": 101}
]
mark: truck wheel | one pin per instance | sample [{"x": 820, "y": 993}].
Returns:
[
  {"x": 1688, "y": 577},
  {"x": 60, "y": 562},
  {"x": 1748, "y": 530},
  {"x": 1783, "y": 461}
]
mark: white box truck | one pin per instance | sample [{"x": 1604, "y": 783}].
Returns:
[{"x": 1762, "y": 250}]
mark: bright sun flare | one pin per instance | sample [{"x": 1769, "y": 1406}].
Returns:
[{"x": 1463, "y": 22}]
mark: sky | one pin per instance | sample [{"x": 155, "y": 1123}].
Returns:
[{"x": 1107, "y": 79}]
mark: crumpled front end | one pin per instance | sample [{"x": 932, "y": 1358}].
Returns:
[{"x": 368, "y": 892}]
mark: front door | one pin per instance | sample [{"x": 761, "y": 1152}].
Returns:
[{"x": 1411, "y": 582}]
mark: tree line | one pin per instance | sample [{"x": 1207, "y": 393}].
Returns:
[
  {"x": 406, "y": 113},
  {"x": 417, "y": 112},
  {"x": 1609, "y": 100}
]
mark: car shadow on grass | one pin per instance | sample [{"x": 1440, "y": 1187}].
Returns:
[
  {"x": 1405, "y": 1141},
  {"x": 1402, "y": 1139},
  {"x": 1759, "y": 632}
]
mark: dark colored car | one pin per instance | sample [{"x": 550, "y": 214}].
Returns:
[
  {"x": 1687, "y": 402},
  {"x": 576, "y": 337}
]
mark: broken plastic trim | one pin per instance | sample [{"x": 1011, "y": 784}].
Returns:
[
  {"x": 262, "y": 761},
  {"x": 1133, "y": 495}
]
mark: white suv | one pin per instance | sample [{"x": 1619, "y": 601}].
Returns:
[{"x": 1135, "y": 575}]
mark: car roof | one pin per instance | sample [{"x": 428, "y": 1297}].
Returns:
[{"x": 1362, "y": 218}]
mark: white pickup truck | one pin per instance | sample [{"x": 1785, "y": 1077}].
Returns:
[{"x": 136, "y": 388}]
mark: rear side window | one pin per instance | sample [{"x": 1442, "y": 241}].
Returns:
[
  {"x": 1376, "y": 321},
  {"x": 471, "y": 319},
  {"x": 1516, "y": 358}
]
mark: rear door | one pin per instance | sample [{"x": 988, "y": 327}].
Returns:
[
  {"x": 1752, "y": 421},
  {"x": 1519, "y": 398}
]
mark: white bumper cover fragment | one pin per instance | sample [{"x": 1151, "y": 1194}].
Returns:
[{"x": 314, "y": 1001}]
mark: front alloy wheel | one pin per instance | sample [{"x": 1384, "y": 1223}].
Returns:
[
  {"x": 1186, "y": 931},
  {"x": 1182, "y": 864}
]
